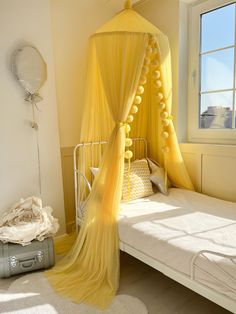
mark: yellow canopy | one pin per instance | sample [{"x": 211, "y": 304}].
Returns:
[
  {"x": 127, "y": 56},
  {"x": 128, "y": 21}
]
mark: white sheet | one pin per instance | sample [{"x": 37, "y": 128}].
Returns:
[{"x": 173, "y": 228}]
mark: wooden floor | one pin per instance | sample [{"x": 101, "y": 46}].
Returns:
[{"x": 161, "y": 294}]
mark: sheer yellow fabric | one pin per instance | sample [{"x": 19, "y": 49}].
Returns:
[
  {"x": 90, "y": 271},
  {"x": 149, "y": 122},
  {"x": 64, "y": 244}
]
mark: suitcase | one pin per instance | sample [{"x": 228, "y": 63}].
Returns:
[{"x": 16, "y": 259}]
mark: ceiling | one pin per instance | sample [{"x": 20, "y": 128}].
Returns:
[
  {"x": 118, "y": 5},
  {"x": 189, "y": 1}
]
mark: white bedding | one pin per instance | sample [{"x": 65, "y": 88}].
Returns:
[{"x": 173, "y": 228}]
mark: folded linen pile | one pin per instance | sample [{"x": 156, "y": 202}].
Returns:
[{"x": 27, "y": 220}]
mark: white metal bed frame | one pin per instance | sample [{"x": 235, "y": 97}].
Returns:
[{"x": 189, "y": 282}]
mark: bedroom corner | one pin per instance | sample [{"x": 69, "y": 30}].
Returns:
[{"x": 117, "y": 156}]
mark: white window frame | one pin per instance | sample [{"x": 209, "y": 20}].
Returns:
[{"x": 195, "y": 134}]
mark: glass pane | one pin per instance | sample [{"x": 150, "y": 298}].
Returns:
[
  {"x": 217, "y": 70},
  {"x": 216, "y": 110},
  {"x": 234, "y": 119},
  {"x": 218, "y": 28}
]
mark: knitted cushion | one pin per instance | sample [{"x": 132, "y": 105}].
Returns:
[{"x": 140, "y": 184}]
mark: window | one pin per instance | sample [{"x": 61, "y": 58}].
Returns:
[{"x": 212, "y": 72}]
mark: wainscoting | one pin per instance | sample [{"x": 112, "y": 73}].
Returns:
[
  {"x": 68, "y": 185},
  {"x": 212, "y": 168}
]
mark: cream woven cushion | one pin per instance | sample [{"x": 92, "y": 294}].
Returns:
[{"x": 140, "y": 184}]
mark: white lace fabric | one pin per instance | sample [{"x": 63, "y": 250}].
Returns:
[{"x": 27, "y": 220}]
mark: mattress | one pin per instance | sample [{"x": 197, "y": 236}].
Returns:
[{"x": 173, "y": 229}]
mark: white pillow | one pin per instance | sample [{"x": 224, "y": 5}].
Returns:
[{"x": 158, "y": 177}]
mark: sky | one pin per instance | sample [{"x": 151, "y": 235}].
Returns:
[{"x": 218, "y": 31}]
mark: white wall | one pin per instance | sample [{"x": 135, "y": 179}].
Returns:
[
  {"x": 73, "y": 22},
  {"x": 212, "y": 168},
  {"x": 28, "y": 21}
]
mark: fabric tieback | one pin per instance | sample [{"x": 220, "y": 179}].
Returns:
[{"x": 120, "y": 124}]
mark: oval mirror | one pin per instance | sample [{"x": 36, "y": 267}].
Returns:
[{"x": 29, "y": 68}]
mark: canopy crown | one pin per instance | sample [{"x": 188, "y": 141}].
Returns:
[
  {"x": 128, "y": 20},
  {"x": 128, "y": 4}
]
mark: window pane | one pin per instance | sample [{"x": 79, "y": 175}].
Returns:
[
  {"x": 217, "y": 70},
  {"x": 216, "y": 110},
  {"x": 218, "y": 28},
  {"x": 234, "y": 119}
]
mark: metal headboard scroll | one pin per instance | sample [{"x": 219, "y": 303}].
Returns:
[{"x": 140, "y": 150}]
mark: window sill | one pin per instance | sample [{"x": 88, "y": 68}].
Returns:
[
  {"x": 209, "y": 148},
  {"x": 211, "y": 136}
]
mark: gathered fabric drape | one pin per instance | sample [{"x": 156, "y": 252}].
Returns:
[
  {"x": 120, "y": 55},
  {"x": 90, "y": 272},
  {"x": 149, "y": 122}
]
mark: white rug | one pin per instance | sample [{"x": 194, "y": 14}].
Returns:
[{"x": 32, "y": 294}]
